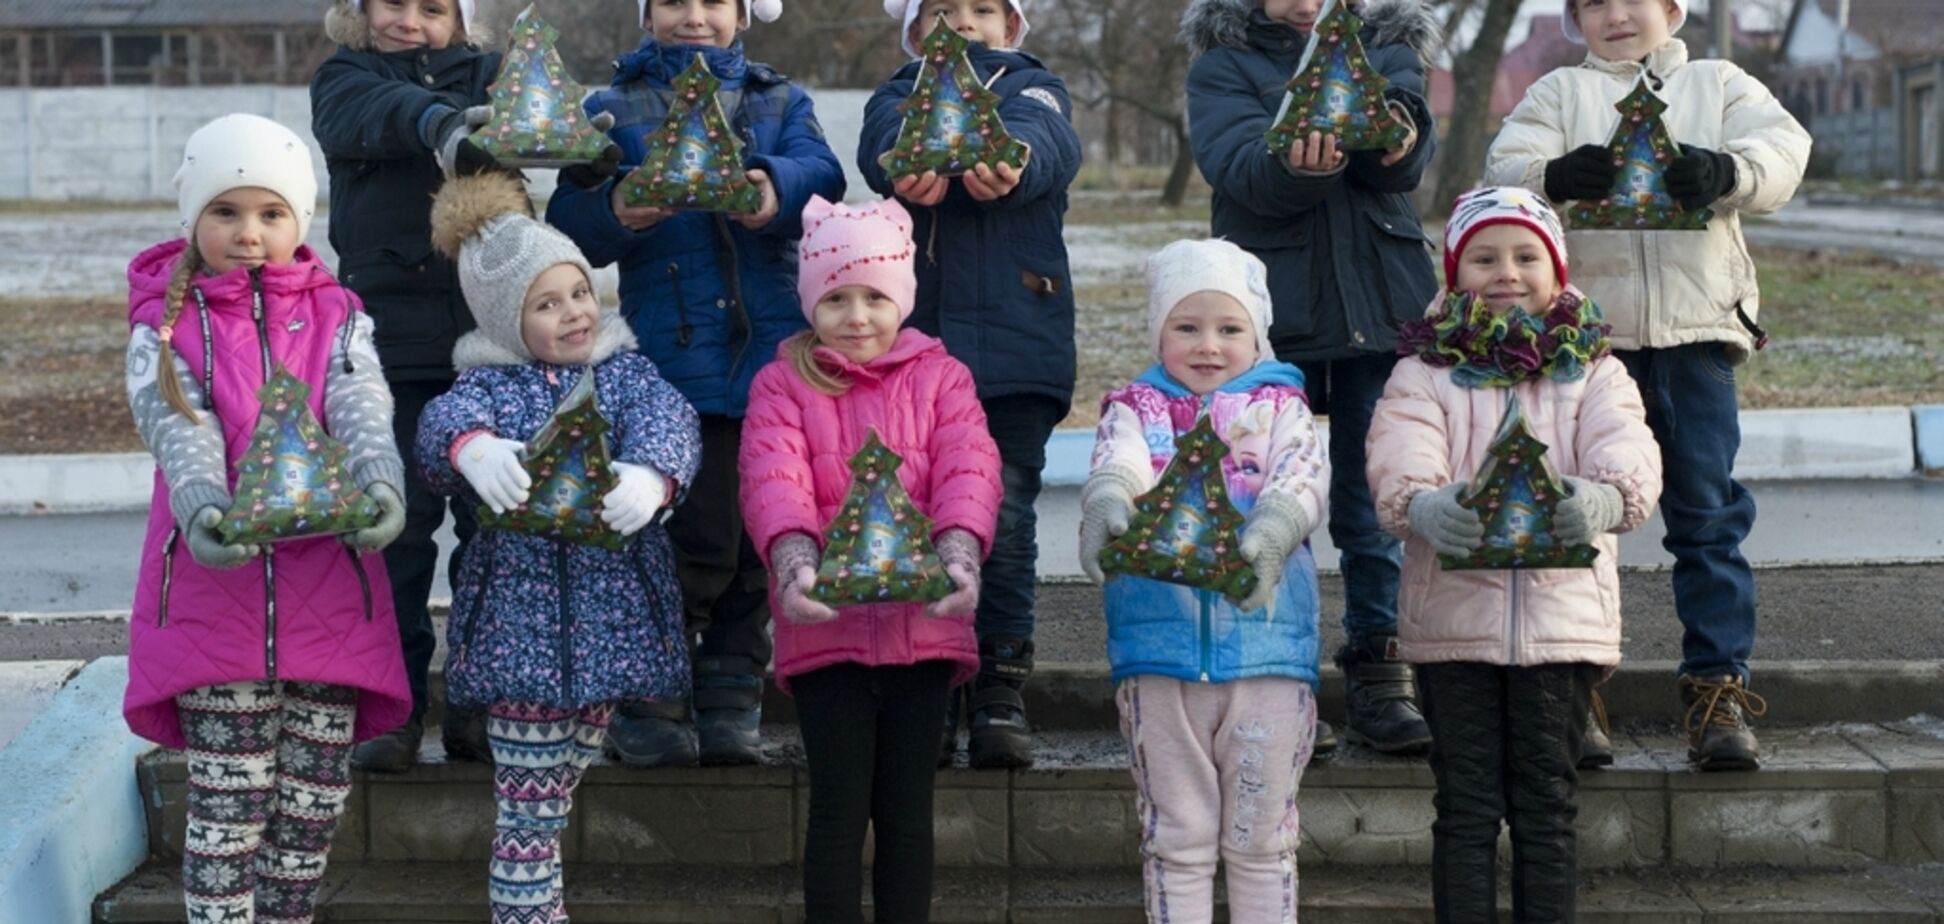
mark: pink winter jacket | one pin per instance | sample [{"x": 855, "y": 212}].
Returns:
[
  {"x": 306, "y": 610},
  {"x": 1429, "y": 432},
  {"x": 795, "y": 469}
]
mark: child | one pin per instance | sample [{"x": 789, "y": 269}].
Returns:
[
  {"x": 870, "y": 682},
  {"x": 1683, "y": 304},
  {"x": 1217, "y": 700},
  {"x": 386, "y": 108},
  {"x": 548, "y": 635},
  {"x": 1508, "y": 659},
  {"x": 1347, "y": 264},
  {"x": 993, "y": 285},
  {"x": 709, "y": 296},
  {"x": 264, "y": 671}
]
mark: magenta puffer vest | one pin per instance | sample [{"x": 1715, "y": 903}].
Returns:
[{"x": 308, "y": 610}]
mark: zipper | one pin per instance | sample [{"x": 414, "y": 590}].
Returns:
[
  {"x": 729, "y": 264},
  {"x": 1512, "y": 618},
  {"x": 269, "y": 566},
  {"x": 1206, "y": 632},
  {"x": 566, "y": 622},
  {"x": 683, "y": 330},
  {"x": 168, "y": 575},
  {"x": 364, "y": 581},
  {"x": 1646, "y": 303}
]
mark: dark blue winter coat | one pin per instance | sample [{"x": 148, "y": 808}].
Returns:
[
  {"x": 992, "y": 276},
  {"x": 707, "y": 333},
  {"x": 1348, "y": 261},
  {"x": 537, "y": 619}
]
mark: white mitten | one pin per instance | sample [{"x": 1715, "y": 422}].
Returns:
[
  {"x": 1589, "y": 509},
  {"x": 492, "y": 466},
  {"x": 639, "y": 493},
  {"x": 1452, "y": 530}
]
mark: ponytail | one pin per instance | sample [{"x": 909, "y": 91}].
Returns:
[
  {"x": 801, "y": 350},
  {"x": 185, "y": 270}
]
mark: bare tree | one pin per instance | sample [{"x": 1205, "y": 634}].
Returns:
[
  {"x": 1123, "y": 56},
  {"x": 1461, "y": 153}
]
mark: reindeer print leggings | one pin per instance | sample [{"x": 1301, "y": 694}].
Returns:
[{"x": 269, "y": 772}]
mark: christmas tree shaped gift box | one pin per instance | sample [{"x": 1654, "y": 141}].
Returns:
[
  {"x": 1642, "y": 149},
  {"x": 951, "y": 120},
  {"x": 1516, "y": 493},
  {"x": 1184, "y": 530},
  {"x": 694, "y": 158},
  {"x": 537, "y": 117},
  {"x": 1336, "y": 92},
  {"x": 571, "y": 469},
  {"x": 878, "y": 547},
  {"x": 292, "y": 482}
]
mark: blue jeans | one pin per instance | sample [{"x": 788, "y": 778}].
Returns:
[
  {"x": 1020, "y": 425},
  {"x": 1371, "y": 559},
  {"x": 1690, "y": 395}
]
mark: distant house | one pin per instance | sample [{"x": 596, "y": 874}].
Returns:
[
  {"x": 1872, "y": 92},
  {"x": 62, "y": 43}
]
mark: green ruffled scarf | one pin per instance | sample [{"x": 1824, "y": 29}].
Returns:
[{"x": 1486, "y": 350}]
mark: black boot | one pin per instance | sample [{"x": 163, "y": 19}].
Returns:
[
  {"x": 653, "y": 734},
  {"x": 1380, "y": 698},
  {"x": 463, "y": 731},
  {"x": 395, "y": 751},
  {"x": 728, "y": 710},
  {"x": 1000, "y": 737},
  {"x": 1325, "y": 743}
]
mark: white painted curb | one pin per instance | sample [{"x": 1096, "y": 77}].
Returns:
[{"x": 75, "y": 483}]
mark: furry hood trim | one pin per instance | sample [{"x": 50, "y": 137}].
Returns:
[
  {"x": 476, "y": 349},
  {"x": 1210, "y": 24}
]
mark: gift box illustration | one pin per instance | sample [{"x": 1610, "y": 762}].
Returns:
[
  {"x": 878, "y": 547},
  {"x": 292, "y": 481},
  {"x": 1516, "y": 493},
  {"x": 1185, "y": 530},
  {"x": 951, "y": 120},
  {"x": 571, "y": 468},
  {"x": 537, "y": 117},
  {"x": 694, "y": 158},
  {"x": 1336, "y": 92},
  {"x": 1642, "y": 149}
]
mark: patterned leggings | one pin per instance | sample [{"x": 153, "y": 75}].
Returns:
[
  {"x": 539, "y": 755},
  {"x": 269, "y": 771}
]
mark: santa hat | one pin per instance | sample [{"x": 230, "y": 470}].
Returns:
[
  {"x": 1573, "y": 34},
  {"x": 241, "y": 150},
  {"x": 844, "y": 246},
  {"x": 765, "y": 10},
  {"x": 906, "y": 11},
  {"x": 1502, "y": 205},
  {"x": 1185, "y": 267}
]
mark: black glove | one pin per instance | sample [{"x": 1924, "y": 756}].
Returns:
[
  {"x": 595, "y": 172},
  {"x": 455, "y": 152},
  {"x": 1586, "y": 172},
  {"x": 1700, "y": 176}
]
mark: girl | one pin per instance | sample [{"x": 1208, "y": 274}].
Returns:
[
  {"x": 870, "y": 681},
  {"x": 547, "y": 635},
  {"x": 1217, "y": 700},
  {"x": 265, "y": 663},
  {"x": 1495, "y": 646}
]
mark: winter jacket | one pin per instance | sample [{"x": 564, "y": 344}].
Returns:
[
  {"x": 1347, "y": 258},
  {"x": 539, "y": 619},
  {"x": 795, "y": 468},
  {"x": 708, "y": 299},
  {"x": 309, "y": 610},
  {"x": 993, "y": 281},
  {"x": 372, "y": 114},
  {"x": 1428, "y": 432},
  {"x": 1275, "y": 459},
  {"x": 1664, "y": 288}
]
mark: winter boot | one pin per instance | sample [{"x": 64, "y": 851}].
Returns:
[
  {"x": 463, "y": 731},
  {"x": 1718, "y": 709},
  {"x": 656, "y": 733},
  {"x": 999, "y": 736},
  {"x": 728, "y": 709},
  {"x": 1324, "y": 745},
  {"x": 1596, "y": 746},
  {"x": 395, "y": 751},
  {"x": 954, "y": 714},
  {"x": 1380, "y": 698}
]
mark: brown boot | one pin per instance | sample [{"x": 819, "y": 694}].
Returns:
[
  {"x": 1596, "y": 746},
  {"x": 1718, "y": 709}
]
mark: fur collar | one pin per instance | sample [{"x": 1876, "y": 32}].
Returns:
[
  {"x": 1211, "y": 24},
  {"x": 476, "y": 349}
]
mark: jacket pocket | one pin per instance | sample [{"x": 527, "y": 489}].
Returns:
[
  {"x": 1405, "y": 279},
  {"x": 168, "y": 576},
  {"x": 476, "y": 612}
]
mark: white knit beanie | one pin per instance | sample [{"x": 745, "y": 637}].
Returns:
[
  {"x": 1185, "y": 267},
  {"x": 466, "y": 9},
  {"x": 240, "y": 150},
  {"x": 483, "y": 222},
  {"x": 764, "y": 10},
  {"x": 1572, "y": 29},
  {"x": 906, "y": 12}
]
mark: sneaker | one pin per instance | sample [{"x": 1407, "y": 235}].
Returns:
[
  {"x": 1718, "y": 710},
  {"x": 395, "y": 751},
  {"x": 1596, "y": 746}
]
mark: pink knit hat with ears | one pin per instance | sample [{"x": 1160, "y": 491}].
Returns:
[
  {"x": 906, "y": 12},
  {"x": 869, "y": 246}
]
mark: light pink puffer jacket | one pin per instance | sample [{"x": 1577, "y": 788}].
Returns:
[{"x": 1429, "y": 432}]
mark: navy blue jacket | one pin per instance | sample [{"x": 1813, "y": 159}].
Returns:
[
  {"x": 370, "y": 113},
  {"x": 708, "y": 331},
  {"x": 992, "y": 276},
  {"x": 1348, "y": 261}
]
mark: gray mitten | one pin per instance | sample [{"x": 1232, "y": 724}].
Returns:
[
  {"x": 1273, "y": 529},
  {"x": 1106, "y": 503},
  {"x": 1589, "y": 509},
  {"x": 206, "y": 545},
  {"x": 457, "y": 155},
  {"x": 793, "y": 559},
  {"x": 391, "y": 520},
  {"x": 1452, "y": 530},
  {"x": 959, "y": 550}
]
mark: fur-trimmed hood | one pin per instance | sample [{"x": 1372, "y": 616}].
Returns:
[
  {"x": 346, "y": 24},
  {"x": 476, "y": 348},
  {"x": 1210, "y": 24}
]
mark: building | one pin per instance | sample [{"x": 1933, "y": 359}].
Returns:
[
  {"x": 65, "y": 43},
  {"x": 1871, "y": 91}
]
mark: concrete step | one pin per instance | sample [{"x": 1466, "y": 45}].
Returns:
[
  {"x": 373, "y": 892},
  {"x": 1829, "y": 797}
]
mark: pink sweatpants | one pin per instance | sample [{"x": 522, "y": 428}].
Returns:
[{"x": 1216, "y": 767}]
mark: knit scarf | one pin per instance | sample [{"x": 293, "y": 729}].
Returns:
[{"x": 1486, "y": 350}]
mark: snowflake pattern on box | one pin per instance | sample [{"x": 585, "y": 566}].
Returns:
[
  {"x": 1185, "y": 530},
  {"x": 1516, "y": 493},
  {"x": 878, "y": 547},
  {"x": 951, "y": 121},
  {"x": 292, "y": 482},
  {"x": 569, "y": 463},
  {"x": 537, "y": 117},
  {"x": 1336, "y": 92},
  {"x": 694, "y": 159},
  {"x": 1642, "y": 149}
]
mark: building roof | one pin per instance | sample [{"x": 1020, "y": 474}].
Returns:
[{"x": 157, "y": 14}]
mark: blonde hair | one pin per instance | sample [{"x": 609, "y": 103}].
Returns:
[
  {"x": 185, "y": 270},
  {"x": 801, "y": 350}
]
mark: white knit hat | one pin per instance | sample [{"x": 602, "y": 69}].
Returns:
[
  {"x": 484, "y": 223},
  {"x": 1185, "y": 267},
  {"x": 765, "y": 10},
  {"x": 906, "y": 11},
  {"x": 240, "y": 150},
  {"x": 1572, "y": 29}
]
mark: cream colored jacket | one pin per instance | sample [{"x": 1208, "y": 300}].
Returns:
[{"x": 1663, "y": 288}]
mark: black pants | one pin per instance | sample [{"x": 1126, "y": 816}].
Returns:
[
  {"x": 413, "y": 558},
  {"x": 871, "y": 738},
  {"x": 725, "y": 591},
  {"x": 1505, "y": 744}
]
